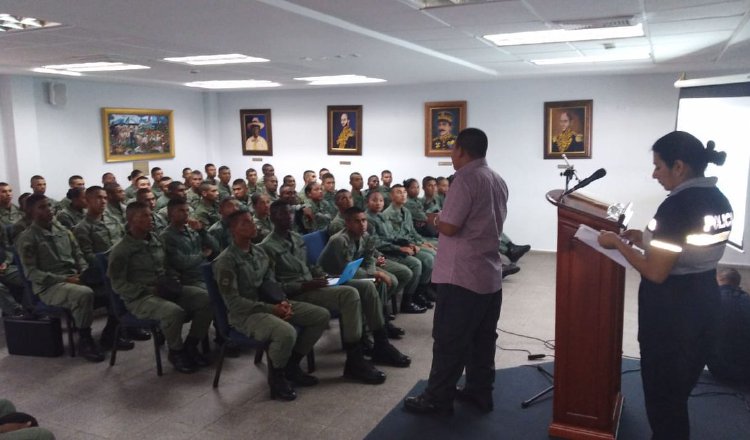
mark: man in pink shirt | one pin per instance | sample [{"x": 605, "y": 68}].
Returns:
[{"x": 468, "y": 275}]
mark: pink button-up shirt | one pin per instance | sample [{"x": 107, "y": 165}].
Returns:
[{"x": 476, "y": 204}]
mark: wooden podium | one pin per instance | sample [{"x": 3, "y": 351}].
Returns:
[{"x": 588, "y": 326}]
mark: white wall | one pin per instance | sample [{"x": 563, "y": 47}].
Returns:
[{"x": 630, "y": 113}]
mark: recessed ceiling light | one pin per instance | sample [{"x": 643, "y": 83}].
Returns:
[
  {"x": 233, "y": 84},
  {"x": 96, "y": 67},
  {"x": 339, "y": 80},
  {"x": 56, "y": 71},
  {"x": 607, "y": 58},
  {"x": 566, "y": 35},
  {"x": 16, "y": 23},
  {"x": 206, "y": 60}
]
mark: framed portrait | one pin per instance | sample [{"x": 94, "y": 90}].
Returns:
[
  {"x": 132, "y": 134},
  {"x": 567, "y": 129},
  {"x": 345, "y": 129},
  {"x": 442, "y": 122},
  {"x": 256, "y": 132}
]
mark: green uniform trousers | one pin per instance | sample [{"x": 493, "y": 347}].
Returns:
[
  {"x": 427, "y": 258},
  {"x": 10, "y": 279},
  {"x": 400, "y": 275},
  {"x": 193, "y": 303},
  {"x": 282, "y": 335},
  {"x": 36, "y": 433},
  {"x": 79, "y": 299},
  {"x": 415, "y": 267}
]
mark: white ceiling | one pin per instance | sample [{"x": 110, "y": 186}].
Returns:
[{"x": 389, "y": 39}]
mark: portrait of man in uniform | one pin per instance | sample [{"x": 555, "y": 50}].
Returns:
[
  {"x": 345, "y": 130},
  {"x": 256, "y": 132},
  {"x": 567, "y": 129},
  {"x": 443, "y": 121}
]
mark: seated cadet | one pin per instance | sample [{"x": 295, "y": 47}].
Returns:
[
  {"x": 299, "y": 209},
  {"x": 22, "y": 223},
  {"x": 162, "y": 199},
  {"x": 288, "y": 180},
  {"x": 210, "y": 174},
  {"x": 108, "y": 178},
  {"x": 268, "y": 171},
  {"x": 270, "y": 187},
  {"x": 414, "y": 206},
  {"x": 187, "y": 245},
  {"x": 146, "y": 196},
  {"x": 241, "y": 271},
  {"x": 328, "y": 183},
  {"x": 132, "y": 188},
  {"x": 399, "y": 251},
  {"x": 39, "y": 186},
  {"x": 175, "y": 190},
  {"x": 187, "y": 176},
  {"x": 373, "y": 183},
  {"x": 354, "y": 242},
  {"x": 141, "y": 182},
  {"x": 20, "y": 426},
  {"x": 156, "y": 175},
  {"x": 321, "y": 208},
  {"x": 355, "y": 180},
  {"x": 224, "y": 187},
  {"x": 261, "y": 216},
  {"x": 207, "y": 210},
  {"x": 322, "y": 172},
  {"x": 403, "y": 229},
  {"x": 241, "y": 195},
  {"x": 343, "y": 202},
  {"x": 385, "y": 189},
  {"x": 115, "y": 202},
  {"x": 288, "y": 255},
  {"x": 252, "y": 181},
  {"x": 136, "y": 268},
  {"x": 75, "y": 211},
  {"x": 730, "y": 357},
  {"x": 54, "y": 263},
  {"x": 74, "y": 181},
  {"x": 443, "y": 184},
  {"x": 431, "y": 203},
  {"x": 308, "y": 176},
  {"x": 97, "y": 232},
  {"x": 11, "y": 285},
  {"x": 9, "y": 213},
  {"x": 220, "y": 230},
  {"x": 193, "y": 194}
]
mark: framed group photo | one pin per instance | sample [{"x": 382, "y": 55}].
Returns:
[
  {"x": 567, "y": 129},
  {"x": 132, "y": 134},
  {"x": 443, "y": 121},
  {"x": 255, "y": 126},
  {"x": 345, "y": 129}
]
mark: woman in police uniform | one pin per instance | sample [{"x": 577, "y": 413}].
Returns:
[{"x": 678, "y": 299}]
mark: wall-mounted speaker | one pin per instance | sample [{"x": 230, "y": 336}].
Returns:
[{"x": 57, "y": 94}]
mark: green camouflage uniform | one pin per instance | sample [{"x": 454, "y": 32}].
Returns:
[
  {"x": 264, "y": 228},
  {"x": 336, "y": 225},
  {"x": 97, "y": 235},
  {"x": 69, "y": 216},
  {"x": 403, "y": 228},
  {"x": 322, "y": 213},
  {"x": 359, "y": 200},
  {"x": 10, "y": 215},
  {"x": 9, "y": 277},
  {"x": 207, "y": 214},
  {"x": 224, "y": 191},
  {"x": 239, "y": 274},
  {"x": 184, "y": 254},
  {"x": 380, "y": 229},
  {"x": 221, "y": 234},
  {"x": 117, "y": 212}
]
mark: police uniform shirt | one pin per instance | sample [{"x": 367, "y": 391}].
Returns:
[{"x": 695, "y": 220}]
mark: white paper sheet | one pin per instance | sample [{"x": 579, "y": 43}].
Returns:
[{"x": 590, "y": 236}]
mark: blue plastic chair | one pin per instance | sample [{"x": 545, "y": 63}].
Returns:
[
  {"x": 127, "y": 319},
  {"x": 315, "y": 242}
]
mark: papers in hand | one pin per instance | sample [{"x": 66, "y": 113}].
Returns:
[{"x": 590, "y": 236}]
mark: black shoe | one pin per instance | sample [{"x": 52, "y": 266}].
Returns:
[
  {"x": 421, "y": 301},
  {"x": 89, "y": 350},
  {"x": 367, "y": 346},
  {"x": 387, "y": 354},
  {"x": 394, "y": 332},
  {"x": 181, "y": 361},
  {"x": 410, "y": 307},
  {"x": 423, "y": 405},
  {"x": 360, "y": 369},
  {"x": 295, "y": 375},
  {"x": 281, "y": 389},
  {"x": 107, "y": 341},
  {"x": 137, "y": 334},
  {"x": 516, "y": 252},
  {"x": 483, "y": 404},
  {"x": 510, "y": 269},
  {"x": 429, "y": 293},
  {"x": 390, "y": 316},
  {"x": 198, "y": 359}
]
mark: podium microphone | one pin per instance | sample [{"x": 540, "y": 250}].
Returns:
[{"x": 598, "y": 174}]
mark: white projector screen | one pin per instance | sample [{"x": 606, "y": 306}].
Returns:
[{"x": 722, "y": 114}]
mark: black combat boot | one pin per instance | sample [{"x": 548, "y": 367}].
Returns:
[
  {"x": 295, "y": 374},
  {"x": 360, "y": 369},
  {"x": 191, "y": 348},
  {"x": 281, "y": 389},
  {"x": 87, "y": 347},
  {"x": 386, "y": 354}
]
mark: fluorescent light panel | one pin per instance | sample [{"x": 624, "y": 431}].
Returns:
[
  {"x": 233, "y": 84},
  {"x": 565, "y": 35},
  {"x": 9, "y": 22},
  {"x": 95, "y": 67},
  {"x": 206, "y": 60},
  {"x": 339, "y": 80},
  {"x": 56, "y": 71},
  {"x": 607, "y": 58}
]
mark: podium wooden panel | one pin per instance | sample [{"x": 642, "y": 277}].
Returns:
[{"x": 588, "y": 326}]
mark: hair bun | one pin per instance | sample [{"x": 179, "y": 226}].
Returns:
[{"x": 717, "y": 157}]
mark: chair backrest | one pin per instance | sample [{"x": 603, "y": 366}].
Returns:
[
  {"x": 315, "y": 242},
  {"x": 217, "y": 302},
  {"x": 102, "y": 263},
  {"x": 29, "y": 297}
]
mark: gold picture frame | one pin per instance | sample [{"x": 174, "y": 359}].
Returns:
[
  {"x": 262, "y": 143},
  {"x": 567, "y": 129},
  {"x": 442, "y": 123},
  {"x": 345, "y": 139},
  {"x": 132, "y": 134}
]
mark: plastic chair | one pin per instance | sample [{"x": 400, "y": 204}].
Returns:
[
  {"x": 315, "y": 242},
  {"x": 127, "y": 319}
]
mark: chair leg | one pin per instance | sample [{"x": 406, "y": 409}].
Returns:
[
  {"x": 71, "y": 329},
  {"x": 113, "y": 355},
  {"x": 311, "y": 362},
  {"x": 157, "y": 351},
  {"x": 220, "y": 364},
  {"x": 206, "y": 346},
  {"x": 259, "y": 354}
]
